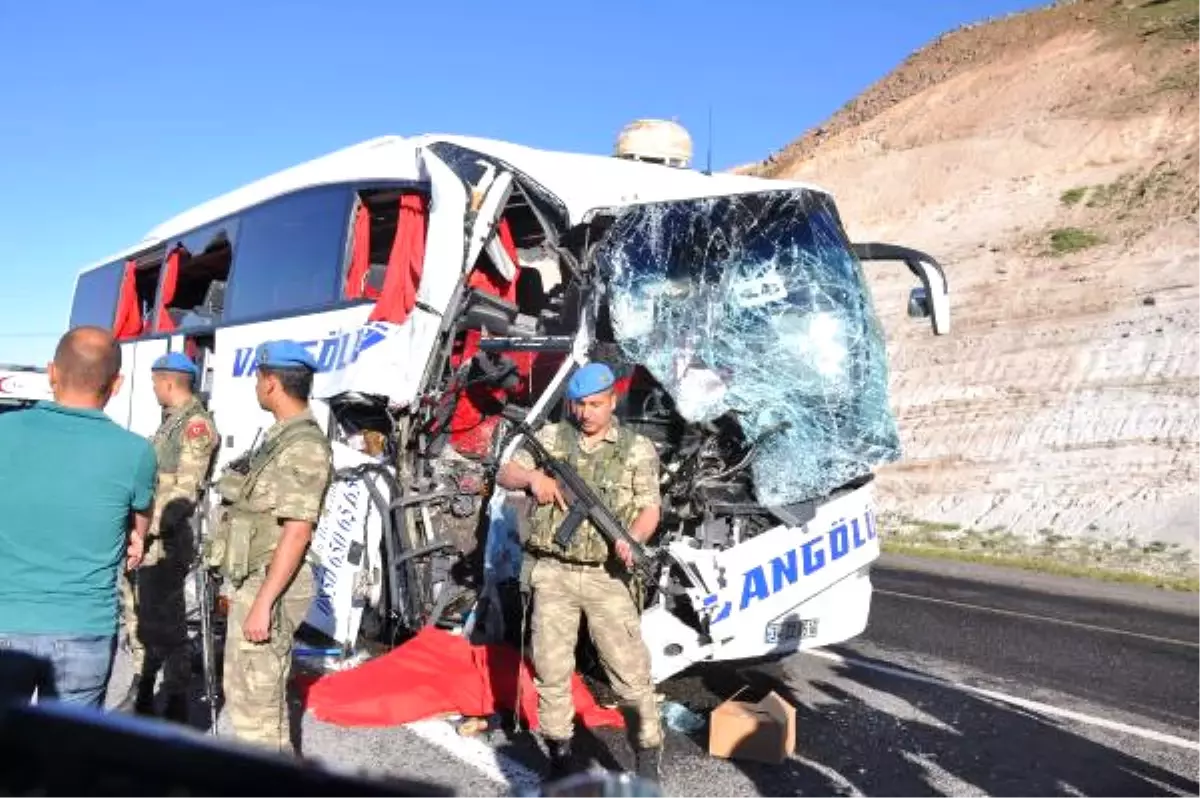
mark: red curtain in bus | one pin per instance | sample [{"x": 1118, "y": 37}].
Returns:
[
  {"x": 166, "y": 294},
  {"x": 128, "y": 322},
  {"x": 360, "y": 256},
  {"x": 399, "y": 295},
  {"x": 477, "y": 413}
]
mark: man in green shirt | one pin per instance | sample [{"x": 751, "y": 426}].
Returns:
[{"x": 74, "y": 508}]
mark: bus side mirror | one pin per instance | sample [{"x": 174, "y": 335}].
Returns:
[
  {"x": 930, "y": 300},
  {"x": 918, "y": 303}
]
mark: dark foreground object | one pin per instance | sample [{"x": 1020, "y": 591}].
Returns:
[{"x": 52, "y": 749}]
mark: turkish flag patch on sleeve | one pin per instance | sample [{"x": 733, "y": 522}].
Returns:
[{"x": 196, "y": 429}]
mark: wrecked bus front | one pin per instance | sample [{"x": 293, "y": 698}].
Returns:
[
  {"x": 752, "y": 314},
  {"x": 754, "y": 306}
]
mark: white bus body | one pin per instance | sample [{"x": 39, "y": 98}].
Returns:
[
  {"x": 419, "y": 221},
  {"x": 21, "y": 386}
]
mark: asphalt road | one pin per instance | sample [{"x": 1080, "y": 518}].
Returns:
[
  {"x": 968, "y": 681},
  {"x": 1098, "y": 648}
]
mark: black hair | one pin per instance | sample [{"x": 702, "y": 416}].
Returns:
[{"x": 296, "y": 382}]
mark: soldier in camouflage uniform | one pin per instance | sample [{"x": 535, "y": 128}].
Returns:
[
  {"x": 153, "y": 597},
  {"x": 589, "y": 575},
  {"x": 272, "y": 499}
]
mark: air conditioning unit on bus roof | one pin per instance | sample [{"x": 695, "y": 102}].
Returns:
[{"x": 655, "y": 141}]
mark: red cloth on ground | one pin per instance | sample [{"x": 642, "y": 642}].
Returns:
[{"x": 438, "y": 673}]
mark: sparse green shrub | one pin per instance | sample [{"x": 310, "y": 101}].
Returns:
[
  {"x": 1072, "y": 239},
  {"x": 1073, "y": 196}
]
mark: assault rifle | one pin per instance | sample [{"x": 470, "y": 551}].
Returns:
[
  {"x": 241, "y": 463},
  {"x": 584, "y": 505},
  {"x": 206, "y": 599},
  {"x": 206, "y": 606}
]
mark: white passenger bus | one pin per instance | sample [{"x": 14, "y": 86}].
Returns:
[
  {"x": 21, "y": 386},
  {"x": 447, "y": 286}
]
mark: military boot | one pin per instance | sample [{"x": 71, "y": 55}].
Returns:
[
  {"x": 177, "y": 708},
  {"x": 561, "y": 759},
  {"x": 144, "y": 702},
  {"x": 139, "y": 699},
  {"x": 648, "y": 764}
]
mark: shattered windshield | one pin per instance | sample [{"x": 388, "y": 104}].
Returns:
[{"x": 754, "y": 305}]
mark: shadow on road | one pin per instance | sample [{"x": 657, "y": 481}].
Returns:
[{"x": 996, "y": 748}]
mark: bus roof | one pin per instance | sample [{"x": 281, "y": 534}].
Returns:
[
  {"x": 583, "y": 182},
  {"x": 586, "y": 182}
]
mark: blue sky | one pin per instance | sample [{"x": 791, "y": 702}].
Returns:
[{"x": 117, "y": 115}]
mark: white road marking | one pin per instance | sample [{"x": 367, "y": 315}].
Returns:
[
  {"x": 844, "y": 784},
  {"x": 947, "y": 782},
  {"x": 477, "y": 754},
  {"x": 1024, "y": 703},
  {"x": 1043, "y": 618}
]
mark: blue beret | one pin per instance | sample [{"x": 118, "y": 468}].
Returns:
[
  {"x": 177, "y": 362},
  {"x": 285, "y": 355},
  {"x": 592, "y": 378}
]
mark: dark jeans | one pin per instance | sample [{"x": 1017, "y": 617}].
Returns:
[{"x": 73, "y": 670}]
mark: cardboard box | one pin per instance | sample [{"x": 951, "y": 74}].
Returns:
[{"x": 762, "y": 732}]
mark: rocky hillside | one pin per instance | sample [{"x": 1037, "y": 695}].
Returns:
[{"x": 1048, "y": 159}]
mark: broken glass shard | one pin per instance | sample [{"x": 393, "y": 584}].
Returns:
[{"x": 753, "y": 305}]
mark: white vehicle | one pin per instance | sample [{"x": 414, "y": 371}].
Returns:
[
  {"x": 21, "y": 386},
  {"x": 448, "y": 286}
]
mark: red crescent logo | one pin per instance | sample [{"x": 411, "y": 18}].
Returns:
[{"x": 2, "y": 381}]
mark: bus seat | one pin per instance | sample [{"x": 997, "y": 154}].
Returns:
[
  {"x": 375, "y": 275},
  {"x": 531, "y": 292}
]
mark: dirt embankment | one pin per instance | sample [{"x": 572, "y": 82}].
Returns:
[{"x": 1048, "y": 159}]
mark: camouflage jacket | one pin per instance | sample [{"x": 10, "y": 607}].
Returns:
[
  {"x": 292, "y": 486},
  {"x": 284, "y": 479},
  {"x": 627, "y": 486},
  {"x": 183, "y": 444}
]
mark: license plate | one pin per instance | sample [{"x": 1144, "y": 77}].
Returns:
[{"x": 792, "y": 629}]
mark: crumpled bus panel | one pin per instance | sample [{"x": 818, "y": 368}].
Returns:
[{"x": 754, "y": 305}]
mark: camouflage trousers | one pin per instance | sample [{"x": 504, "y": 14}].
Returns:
[
  {"x": 154, "y": 613},
  {"x": 560, "y": 593},
  {"x": 256, "y": 674}
]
